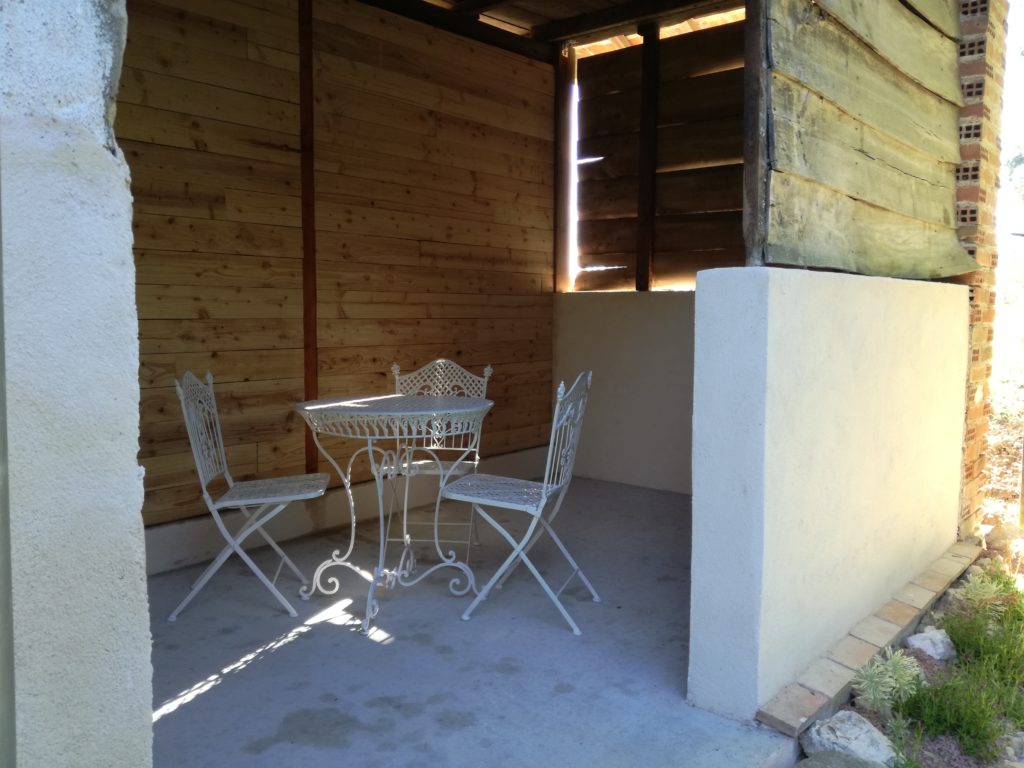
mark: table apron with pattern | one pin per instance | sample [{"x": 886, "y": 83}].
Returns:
[{"x": 397, "y": 429}]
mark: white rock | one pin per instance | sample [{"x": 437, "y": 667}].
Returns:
[
  {"x": 1014, "y": 743},
  {"x": 851, "y": 734},
  {"x": 933, "y": 642}
]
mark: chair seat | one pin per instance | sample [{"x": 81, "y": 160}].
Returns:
[
  {"x": 273, "y": 490},
  {"x": 431, "y": 467},
  {"x": 496, "y": 491}
]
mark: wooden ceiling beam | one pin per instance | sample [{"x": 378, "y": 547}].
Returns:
[
  {"x": 467, "y": 26},
  {"x": 475, "y": 6},
  {"x": 625, "y": 16}
]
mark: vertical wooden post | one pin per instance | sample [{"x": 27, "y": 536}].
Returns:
[
  {"x": 308, "y": 191},
  {"x": 565, "y": 158},
  {"x": 756, "y": 105},
  {"x": 650, "y": 77}
]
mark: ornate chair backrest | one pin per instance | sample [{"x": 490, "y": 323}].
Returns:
[
  {"x": 441, "y": 378},
  {"x": 199, "y": 407},
  {"x": 565, "y": 432}
]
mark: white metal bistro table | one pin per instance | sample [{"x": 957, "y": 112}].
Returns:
[{"x": 398, "y": 430}]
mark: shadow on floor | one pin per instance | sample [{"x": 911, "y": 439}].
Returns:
[{"x": 237, "y": 682}]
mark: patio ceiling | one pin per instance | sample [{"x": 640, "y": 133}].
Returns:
[{"x": 536, "y": 27}]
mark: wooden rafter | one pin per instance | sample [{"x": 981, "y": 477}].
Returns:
[
  {"x": 647, "y": 156},
  {"x": 475, "y": 6},
  {"x": 625, "y": 15},
  {"x": 467, "y": 26}
]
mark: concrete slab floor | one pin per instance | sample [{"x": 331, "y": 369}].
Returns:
[{"x": 238, "y": 682}]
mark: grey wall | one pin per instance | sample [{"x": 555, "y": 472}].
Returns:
[
  {"x": 637, "y": 429},
  {"x": 6, "y": 618},
  {"x": 81, "y": 644}
]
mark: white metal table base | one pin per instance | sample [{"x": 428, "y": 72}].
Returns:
[{"x": 387, "y": 465}]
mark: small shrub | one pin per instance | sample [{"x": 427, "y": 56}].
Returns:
[
  {"x": 989, "y": 592},
  {"x": 889, "y": 679},
  {"x": 983, "y": 691},
  {"x": 958, "y": 705},
  {"x": 906, "y": 741}
]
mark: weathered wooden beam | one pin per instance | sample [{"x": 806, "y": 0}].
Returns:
[
  {"x": 755, "y": 132},
  {"x": 813, "y": 138},
  {"x": 941, "y": 14},
  {"x": 815, "y": 226},
  {"x": 307, "y": 119},
  {"x": 626, "y": 15},
  {"x": 647, "y": 154},
  {"x": 812, "y": 47},
  {"x": 905, "y": 40},
  {"x": 467, "y": 26},
  {"x": 565, "y": 156}
]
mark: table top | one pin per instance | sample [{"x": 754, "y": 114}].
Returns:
[
  {"x": 398, "y": 405},
  {"x": 395, "y": 415}
]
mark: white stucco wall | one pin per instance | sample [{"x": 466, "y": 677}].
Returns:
[
  {"x": 83, "y": 691},
  {"x": 637, "y": 428},
  {"x": 828, "y": 419}
]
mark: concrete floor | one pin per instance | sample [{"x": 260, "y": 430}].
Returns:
[{"x": 237, "y": 682}]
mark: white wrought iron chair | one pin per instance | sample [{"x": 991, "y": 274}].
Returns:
[
  {"x": 443, "y": 378},
  {"x": 532, "y": 498},
  {"x": 259, "y": 501}
]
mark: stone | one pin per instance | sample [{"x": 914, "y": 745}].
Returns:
[
  {"x": 933, "y": 580},
  {"x": 829, "y": 678},
  {"x": 998, "y": 539},
  {"x": 851, "y": 734},
  {"x": 952, "y": 601},
  {"x": 950, "y": 566},
  {"x": 836, "y": 760},
  {"x": 853, "y": 652},
  {"x": 898, "y": 613},
  {"x": 934, "y": 643},
  {"x": 1014, "y": 745},
  {"x": 919, "y": 597},
  {"x": 876, "y": 631},
  {"x": 792, "y": 709}
]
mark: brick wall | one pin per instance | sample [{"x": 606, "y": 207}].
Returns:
[{"x": 982, "y": 55}]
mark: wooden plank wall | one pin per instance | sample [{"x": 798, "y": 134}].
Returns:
[
  {"x": 434, "y": 162},
  {"x": 699, "y": 181},
  {"x": 863, "y": 112},
  {"x": 435, "y": 194},
  {"x": 208, "y": 120}
]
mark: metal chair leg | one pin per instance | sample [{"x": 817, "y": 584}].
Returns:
[
  {"x": 517, "y": 550},
  {"x": 576, "y": 570},
  {"x": 273, "y": 545},
  {"x": 554, "y": 513},
  {"x": 519, "y": 556},
  {"x": 234, "y": 544}
]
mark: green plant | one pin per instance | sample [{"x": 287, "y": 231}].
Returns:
[
  {"x": 906, "y": 740},
  {"x": 989, "y": 592},
  {"x": 889, "y": 679},
  {"x": 983, "y": 692},
  {"x": 960, "y": 706}
]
